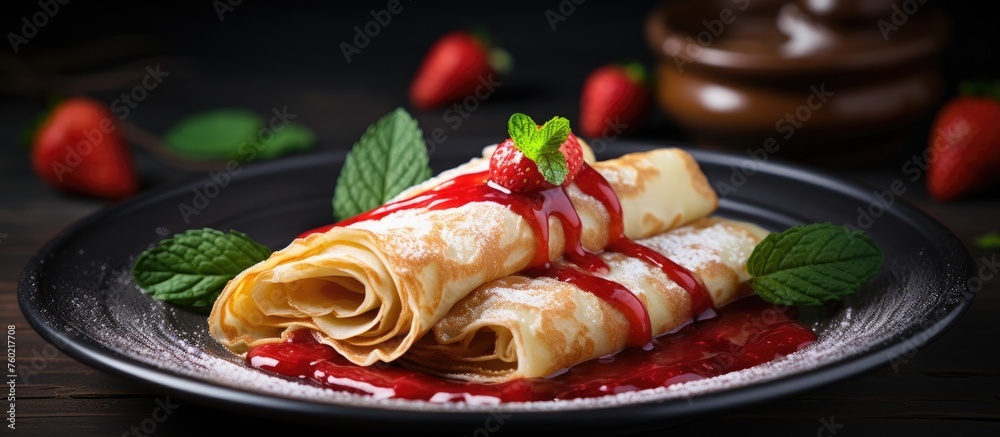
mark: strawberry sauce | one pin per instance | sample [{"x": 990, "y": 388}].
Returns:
[
  {"x": 612, "y": 292},
  {"x": 748, "y": 333},
  {"x": 536, "y": 208}
]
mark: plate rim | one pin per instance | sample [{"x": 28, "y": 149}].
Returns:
[{"x": 85, "y": 349}]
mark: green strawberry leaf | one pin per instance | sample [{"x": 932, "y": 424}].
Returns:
[
  {"x": 390, "y": 157},
  {"x": 989, "y": 241},
  {"x": 813, "y": 264},
  {"x": 980, "y": 88},
  {"x": 193, "y": 267},
  {"x": 636, "y": 73},
  {"x": 541, "y": 144},
  {"x": 27, "y": 135},
  {"x": 498, "y": 58}
]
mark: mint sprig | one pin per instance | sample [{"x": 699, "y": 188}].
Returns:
[
  {"x": 813, "y": 264},
  {"x": 541, "y": 144},
  {"x": 192, "y": 268},
  {"x": 390, "y": 157},
  {"x": 236, "y": 134}
]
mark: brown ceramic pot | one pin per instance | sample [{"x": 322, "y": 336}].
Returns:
[{"x": 826, "y": 80}]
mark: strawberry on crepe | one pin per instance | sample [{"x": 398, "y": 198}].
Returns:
[
  {"x": 372, "y": 284},
  {"x": 536, "y": 157}
]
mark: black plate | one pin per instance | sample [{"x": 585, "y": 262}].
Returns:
[{"x": 78, "y": 294}]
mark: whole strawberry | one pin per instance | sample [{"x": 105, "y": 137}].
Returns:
[
  {"x": 78, "y": 149},
  {"x": 458, "y": 65},
  {"x": 536, "y": 157},
  {"x": 965, "y": 144},
  {"x": 615, "y": 99}
]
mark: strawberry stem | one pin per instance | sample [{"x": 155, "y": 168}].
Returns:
[
  {"x": 980, "y": 88},
  {"x": 636, "y": 72},
  {"x": 500, "y": 60}
]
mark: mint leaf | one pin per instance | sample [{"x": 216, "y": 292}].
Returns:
[
  {"x": 553, "y": 167},
  {"x": 541, "y": 144},
  {"x": 812, "y": 264},
  {"x": 290, "y": 138},
  {"x": 192, "y": 268},
  {"x": 390, "y": 157},
  {"x": 235, "y": 134},
  {"x": 522, "y": 129},
  {"x": 554, "y": 132},
  {"x": 213, "y": 135}
]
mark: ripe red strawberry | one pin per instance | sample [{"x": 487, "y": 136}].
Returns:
[
  {"x": 965, "y": 142},
  {"x": 78, "y": 148},
  {"x": 458, "y": 65},
  {"x": 615, "y": 99},
  {"x": 536, "y": 157}
]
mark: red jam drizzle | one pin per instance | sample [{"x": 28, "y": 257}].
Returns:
[
  {"x": 749, "y": 332},
  {"x": 301, "y": 356},
  {"x": 536, "y": 208},
  {"x": 594, "y": 185},
  {"x": 616, "y": 294}
]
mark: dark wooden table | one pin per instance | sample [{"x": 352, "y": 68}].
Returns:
[{"x": 268, "y": 56}]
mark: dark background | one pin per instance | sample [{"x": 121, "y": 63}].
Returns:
[
  {"x": 266, "y": 55},
  {"x": 275, "y": 54}
]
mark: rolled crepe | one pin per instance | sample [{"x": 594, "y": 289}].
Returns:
[
  {"x": 370, "y": 289},
  {"x": 523, "y": 327}
]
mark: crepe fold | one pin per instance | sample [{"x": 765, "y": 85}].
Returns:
[
  {"x": 370, "y": 289},
  {"x": 523, "y": 327}
]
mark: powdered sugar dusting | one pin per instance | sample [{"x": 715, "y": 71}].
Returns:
[
  {"x": 110, "y": 309},
  {"x": 695, "y": 248},
  {"x": 623, "y": 176},
  {"x": 406, "y": 231},
  {"x": 99, "y": 301}
]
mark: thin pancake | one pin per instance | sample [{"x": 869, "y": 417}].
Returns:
[
  {"x": 372, "y": 288},
  {"x": 524, "y": 327}
]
